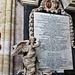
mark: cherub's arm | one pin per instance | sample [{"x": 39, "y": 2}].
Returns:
[
  {"x": 22, "y": 71},
  {"x": 38, "y": 45}
]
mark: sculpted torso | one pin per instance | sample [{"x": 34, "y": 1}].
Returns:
[{"x": 27, "y": 48}]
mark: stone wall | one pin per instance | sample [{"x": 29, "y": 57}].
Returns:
[
  {"x": 19, "y": 26},
  {"x": 0, "y": 16}
]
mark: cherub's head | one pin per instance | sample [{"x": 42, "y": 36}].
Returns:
[{"x": 32, "y": 40}]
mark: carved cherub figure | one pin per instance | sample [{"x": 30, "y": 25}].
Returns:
[{"x": 27, "y": 47}]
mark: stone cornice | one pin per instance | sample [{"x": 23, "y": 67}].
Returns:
[
  {"x": 69, "y": 4},
  {"x": 29, "y": 2}
]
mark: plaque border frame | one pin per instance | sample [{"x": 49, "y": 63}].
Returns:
[{"x": 51, "y": 10}]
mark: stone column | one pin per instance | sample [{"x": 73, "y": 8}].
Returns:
[
  {"x": 12, "y": 34},
  {"x": 2, "y": 35},
  {"x": 7, "y": 38}
]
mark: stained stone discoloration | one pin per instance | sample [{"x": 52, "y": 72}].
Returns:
[
  {"x": 7, "y": 38},
  {"x": 29, "y": 59},
  {"x": 12, "y": 33},
  {"x": 51, "y": 10},
  {"x": 19, "y": 27},
  {"x": 6, "y": 65},
  {"x": 3, "y": 19},
  {"x": 56, "y": 42}
]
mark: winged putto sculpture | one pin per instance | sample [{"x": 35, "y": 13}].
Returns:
[{"x": 27, "y": 47}]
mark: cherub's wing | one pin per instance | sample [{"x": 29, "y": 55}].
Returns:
[{"x": 19, "y": 47}]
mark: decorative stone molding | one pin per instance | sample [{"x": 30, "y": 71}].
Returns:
[
  {"x": 2, "y": 35},
  {"x": 7, "y": 32},
  {"x": 66, "y": 3},
  {"x": 69, "y": 4},
  {"x": 29, "y": 2},
  {"x": 28, "y": 47},
  {"x": 7, "y": 40},
  {"x": 53, "y": 10},
  {"x": 12, "y": 33},
  {"x": 50, "y": 10}
]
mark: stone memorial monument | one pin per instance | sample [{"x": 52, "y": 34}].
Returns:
[
  {"x": 50, "y": 24},
  {"x": 54, "y": 33}
]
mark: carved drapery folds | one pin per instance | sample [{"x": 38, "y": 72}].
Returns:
[
  {"x": 29, "y": 60},
  {"x": 28, "y": 46},
  {"x": 2, "y": 35}
]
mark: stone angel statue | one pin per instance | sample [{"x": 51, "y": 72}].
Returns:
[{"x": 27, "y": 47}]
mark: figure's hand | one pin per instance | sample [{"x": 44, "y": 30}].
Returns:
[{"x": 37, "y": 45}]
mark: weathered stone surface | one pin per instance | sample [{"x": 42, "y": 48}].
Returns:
[
  {"x": 18, "y": 63},
  {"x": 54, "y": 33},
  {"x": 29, "y": 2},
  {"x": 7, "y": 38},
  {"x": 2, "y": 30},
  {"x": 69, "y": 4},
  {"x": 0, "y": 13},
  {"x": 66, "y": 2},
  {"x": 12, "y": 33}
]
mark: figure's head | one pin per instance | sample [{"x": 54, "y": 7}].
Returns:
[{"x": 32, "y": 40}]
